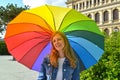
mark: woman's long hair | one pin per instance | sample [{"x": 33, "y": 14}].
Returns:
[{"x": 67, "y": 50}]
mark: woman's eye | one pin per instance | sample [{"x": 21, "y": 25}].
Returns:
[
  {"x": 59, "y": 39},
  {"x": 53, "y": 40}
]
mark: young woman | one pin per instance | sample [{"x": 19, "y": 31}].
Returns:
[{"x": 62, "y": 63}]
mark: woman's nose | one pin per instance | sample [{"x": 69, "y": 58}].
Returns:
[{"x": 57, "y": 41}]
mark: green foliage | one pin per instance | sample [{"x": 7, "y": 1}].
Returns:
[
  {"x": 3, "y": 48},
  {"x": 108, "y": 67}
]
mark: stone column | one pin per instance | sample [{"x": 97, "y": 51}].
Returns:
[
  {"x": 119, "y": 13},
  {"x": 110, "y": 16},
  {"x": 85, "y": 4},
  {"x": 92, "y": 3},
  {"x": 78, "y": 6},
  {"x": 101, "y": 17},
  {"x": 110, "y": 30},
  {"x": 93, "y": 16},
  {"x": 105, "y": 2},
  {"x": 109, "y": 1},
  {"x": 100, "y": 2}
]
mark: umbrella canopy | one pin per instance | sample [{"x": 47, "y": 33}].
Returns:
[{"x": 28, "y": 35}]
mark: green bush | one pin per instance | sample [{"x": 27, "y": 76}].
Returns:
[
  {"x": 3, "y": 48},
  {"x": 108, "y": 67}
]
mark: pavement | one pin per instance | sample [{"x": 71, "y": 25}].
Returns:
[{"x": 12, "y": 70}]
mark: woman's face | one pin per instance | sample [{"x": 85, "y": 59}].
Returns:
[{"x": 58, "y": 42}]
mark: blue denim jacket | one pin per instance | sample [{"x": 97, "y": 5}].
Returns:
[{"x": 48, "y": 72}]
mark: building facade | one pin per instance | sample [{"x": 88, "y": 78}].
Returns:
[{"x": 106, "y": 13}]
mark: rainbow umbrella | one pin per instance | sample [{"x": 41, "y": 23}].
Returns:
[{"x": 28, "y": 35}]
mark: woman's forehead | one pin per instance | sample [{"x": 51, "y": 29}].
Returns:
[{"x": 57, "y": 36}]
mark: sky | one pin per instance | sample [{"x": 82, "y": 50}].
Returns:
[
  {"x": 34, "y": 3},
  {"x": 5, "y": 2}
]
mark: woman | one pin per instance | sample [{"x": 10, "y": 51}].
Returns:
[{"x": 62, "y": 63}]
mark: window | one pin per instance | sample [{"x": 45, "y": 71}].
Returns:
[
  {"x": 103, "y": 1},
  {"x": 83, "y": 5},
  {"x": 107, "y": 1},
  {"x": 89, "y": 16},
  {"x": 87, "y": 4},
  {"x": 90, "y": 2},
  {"x": 115, "y": 14},
  {"x": 80, "y": 5},
  {"x": 98, "y": 1},
  {"x": 97, "y": 15},
  {"x": 73, "y": 6},
  {"x": 76, "y": 6},
  {"x": 105, "y": 16},
  {"x": 112, "y": 0},
  {"x": 94, "y": 2}
]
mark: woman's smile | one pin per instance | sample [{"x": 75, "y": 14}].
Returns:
[{"x": 58, "y": 42}]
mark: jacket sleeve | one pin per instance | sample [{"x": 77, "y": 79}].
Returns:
[
  {"x": 42, "y": 73},
  {"x": 76, "y": 73}
]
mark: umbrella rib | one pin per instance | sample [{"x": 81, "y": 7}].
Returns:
[
  {"x": 42, "y": 19},
  {"x": 28, "y": 40},
  {"x": 73, "y": 23},
  {"x": 100, "y": 37},
  {"x": 52, "y": 16},
  {"x": 64, "y": 18},
  {"x": 33, "y": 31},
  {"x": 41, "y": 51},
  {"x": 31, "y": 48},
  {"x": 82, "y": 65},
  {"x": 84, "y": 48}
]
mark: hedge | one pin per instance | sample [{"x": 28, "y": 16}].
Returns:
[
  {"x": 3, "y": 48},
  {"x": 108, "y": 67}
]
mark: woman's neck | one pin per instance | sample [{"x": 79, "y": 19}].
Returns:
[{"x": 61, "y": 54}]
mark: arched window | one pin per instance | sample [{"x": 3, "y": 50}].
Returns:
[
  {"x": 98, "y": 1},
  {"x": 95, "y": 2},
  {"x": 89, "y": 16},
  {"x": 112, "y": 0},
  {"x": 107, "y": 1},
  {"x": 80, "y": 5},
  {"x": 87, "y": 3},
  {"x": 73, "y": 6},
  {"x": 103, "y": 1},
  {"x": 83, "y": 5},
  {"x": 90, "y": 2},
  {"x": 105, "y": 16},
  {"x": 76, "y": 7},
  {"x": 97, "y": 17},
  {"x": 115, "y": 14}
]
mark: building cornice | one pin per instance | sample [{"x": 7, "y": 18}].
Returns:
[
  {"x": 111, "y": 24},
  {"x": 70, "y": 2},
  {"x": 101, "y": 7}
]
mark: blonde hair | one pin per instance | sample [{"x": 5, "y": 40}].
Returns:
[{"x": 68, "y": 52}]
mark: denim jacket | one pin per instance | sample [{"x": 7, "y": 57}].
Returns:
[{"x": 48, "y": 72}]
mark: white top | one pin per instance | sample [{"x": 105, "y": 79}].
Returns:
[{"x": 60, "y": 65}]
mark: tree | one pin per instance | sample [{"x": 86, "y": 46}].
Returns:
[{"x": 8, "y": 13}]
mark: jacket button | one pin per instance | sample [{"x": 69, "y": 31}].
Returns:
[
  {"x": 64, "y": 69},
  {"x": 48, "y": 64}
]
